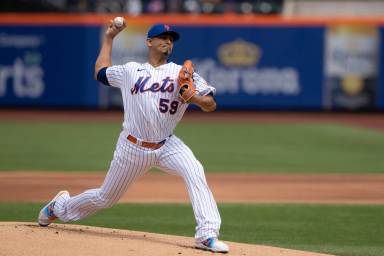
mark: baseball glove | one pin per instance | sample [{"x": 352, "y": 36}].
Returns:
[{"x": 185, "y": 80}]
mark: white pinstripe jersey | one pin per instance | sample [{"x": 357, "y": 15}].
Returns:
[{"x": 152, "y": 107}]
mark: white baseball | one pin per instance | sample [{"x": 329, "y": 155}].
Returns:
[{"x": 118, "y": 21}]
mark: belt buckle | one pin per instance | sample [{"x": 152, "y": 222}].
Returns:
[{"x": 139, "y": 142}]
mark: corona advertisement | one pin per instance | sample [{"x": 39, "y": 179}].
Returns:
[{"x": 351, "y": 67}]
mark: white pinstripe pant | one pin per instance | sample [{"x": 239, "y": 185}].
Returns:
[{"x": 129, "y": 163}]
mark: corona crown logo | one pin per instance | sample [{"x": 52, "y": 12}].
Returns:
[{"x": 239, "y": 53}]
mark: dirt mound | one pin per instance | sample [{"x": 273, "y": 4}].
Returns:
[
  {"x": 226, "y": 187},
  {"x": 58, "y": 239}
]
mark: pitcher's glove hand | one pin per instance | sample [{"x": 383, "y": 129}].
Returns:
[{"x": 185, "y": 80}]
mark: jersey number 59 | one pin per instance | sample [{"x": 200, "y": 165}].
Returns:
[{"x": 164, "y": 106}]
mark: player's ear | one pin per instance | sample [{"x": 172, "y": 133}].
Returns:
[{"x": 149, "y": 42}]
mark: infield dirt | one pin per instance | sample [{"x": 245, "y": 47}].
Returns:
[{"x": 226, "y": 187}]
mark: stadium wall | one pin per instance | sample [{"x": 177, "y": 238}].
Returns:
[{"x": 269, "y": 63}]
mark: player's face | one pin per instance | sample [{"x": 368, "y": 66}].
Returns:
[{"x": 162, "y": 43}]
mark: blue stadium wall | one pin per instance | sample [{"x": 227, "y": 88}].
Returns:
[{"x": 253, "y": 66}]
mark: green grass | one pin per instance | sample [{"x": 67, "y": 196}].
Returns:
[
  {"x": 220, "y": 147},
  {"x": 342, "y": 230}
]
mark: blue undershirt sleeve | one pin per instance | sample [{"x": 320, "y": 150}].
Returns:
[{"x": 102, "y": 76}]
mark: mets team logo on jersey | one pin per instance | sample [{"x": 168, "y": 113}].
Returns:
[{"x": 141, "y": 86}]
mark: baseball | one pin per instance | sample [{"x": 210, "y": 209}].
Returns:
[{"x": 118, "y": 21}]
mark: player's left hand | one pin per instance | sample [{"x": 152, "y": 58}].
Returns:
[
  {"x": 185, "y": 80},
  {"x": 113, "y": 30}
]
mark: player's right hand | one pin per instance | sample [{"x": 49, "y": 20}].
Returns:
[{"x": 112, "y": 30}]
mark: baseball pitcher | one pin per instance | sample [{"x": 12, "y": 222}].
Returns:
[{"x": 155, "y": 96}]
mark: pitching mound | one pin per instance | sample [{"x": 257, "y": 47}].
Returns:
[{"x": 58, "y": 239}]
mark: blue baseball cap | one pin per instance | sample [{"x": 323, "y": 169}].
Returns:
[{"x": 161, "y": 29}]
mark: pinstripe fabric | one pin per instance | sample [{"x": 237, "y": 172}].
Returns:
[
  {"x": 129, "y": 162},
  {"x": 152, "y": 110},
  {"x": 178, "y": 159},
  {"x": 141, "y": 109}
]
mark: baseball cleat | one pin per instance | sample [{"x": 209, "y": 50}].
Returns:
[
  {"x": 213, "y": 244},
  {"x": 46, "y": 215}
]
